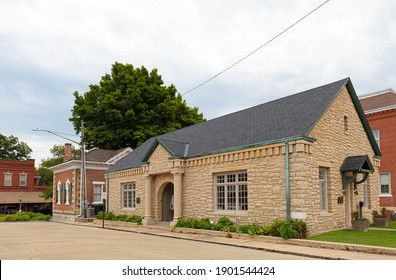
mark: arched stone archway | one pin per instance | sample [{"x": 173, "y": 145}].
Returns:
[{"x": 167, "y": 203}]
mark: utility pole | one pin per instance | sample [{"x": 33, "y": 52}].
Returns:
[
  {"x": 83, "y": 184},
  {"x": 83, "y": 173}
]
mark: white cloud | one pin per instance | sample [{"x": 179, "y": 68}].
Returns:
[{"x": 49, "y": 49}]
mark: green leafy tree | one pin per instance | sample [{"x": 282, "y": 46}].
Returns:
[
  {"x": 129, "y": 106},
  {"x": 13, "y": 149},
  {"x": 46, "y": 175}
]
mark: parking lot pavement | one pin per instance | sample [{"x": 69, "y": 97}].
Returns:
[
  {"x": 51, "y": 240},
  {"x": 58, "y": 241}
]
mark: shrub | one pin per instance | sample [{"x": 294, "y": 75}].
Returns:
[
  {"x": 24, "y": 216},
  {"x": 109, "y": 216},
  {"x": 225, "y": 222},
  {"x": 301, "y": 227},
  {"x": 278, "y": 228},
  {"x": 287, "y": 230},
  {"x": 121, "y": 218},
  {"x": 134, "y": 219},
  {"x": 274, "y": 229},
  {"x": 99, "y": 215}
]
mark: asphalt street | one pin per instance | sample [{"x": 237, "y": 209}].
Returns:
[{"x": 57, "y": 241}]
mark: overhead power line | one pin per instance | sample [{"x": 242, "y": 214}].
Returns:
[
  {"x": 232, "y": 65},
  {"x": 256, "y": 50}
]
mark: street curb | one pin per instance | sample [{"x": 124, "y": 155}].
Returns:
[{"x": 203, "y": 235}]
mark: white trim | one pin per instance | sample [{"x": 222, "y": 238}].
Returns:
[
  {"x": 324, "y": 193},
  {"x": 67, "y": 190},
  {"x": 381, "y": 109},
  {"x": 389, "y": 184},
  {"x": 59, "y": 190},
  {"x": 76, "y": 164},
  {"x": 119, "y": 156},
  {"x": 26, "y": 179},
  {"x": 10, "y": 179},
  {"x": 375, "y": 93}
]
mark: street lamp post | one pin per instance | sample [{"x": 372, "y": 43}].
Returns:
[{"x": 20, "y": 203}]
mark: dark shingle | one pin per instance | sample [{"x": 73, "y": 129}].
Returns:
[
  {"x": 291, "y": 116},
  {"x": 356, "y": 164}
]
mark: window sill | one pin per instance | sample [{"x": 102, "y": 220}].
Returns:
[
  {"x": 385, "y": 195},
  {"x": 231, "y": 213},
  {"x": 128, "y": 209},
  {"x": 325, "y": 214}
]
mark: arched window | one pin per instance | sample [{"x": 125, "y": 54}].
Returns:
[
  {"x": 58, "y": 192},
  {"x": 67, "y": 192}
]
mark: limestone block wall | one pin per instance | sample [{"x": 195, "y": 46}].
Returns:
[
  {"x": 339, "y": 134},
  {"x": 266, "y": 185},
  {"x": 115, "y": 191}
]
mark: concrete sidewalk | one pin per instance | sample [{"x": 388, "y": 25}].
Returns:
[{"x": 307, "y": 248}]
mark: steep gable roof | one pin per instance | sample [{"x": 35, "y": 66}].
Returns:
[{"x": 290, "y": 117}]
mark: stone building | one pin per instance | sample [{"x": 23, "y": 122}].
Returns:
[
  {"x": 380, "y": 110},
  {"x": 67, "y": 190},
  {"x": 308, "y": 156}
]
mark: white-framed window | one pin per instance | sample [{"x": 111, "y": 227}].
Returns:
[
  {"x": 376, "y": 134},
  {"x": 323, "y": 188},
  {"x": 231, "y": 191},
  {"x": 23, "y": 179},
  {"x": 128, "y": 195},
  {"x": 385, "y": 188},
  {"x": 98, "y": 190},
  {"x": 8, "y": 179},
  {"x": 58, "y": 192},
  {"x": 67, "y": 192}
]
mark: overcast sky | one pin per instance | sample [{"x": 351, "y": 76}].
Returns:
[{"x": 49, "y": 49}]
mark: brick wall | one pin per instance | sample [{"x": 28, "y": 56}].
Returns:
[{"x": 385, "y": 122}]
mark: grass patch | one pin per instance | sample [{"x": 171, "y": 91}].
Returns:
[
  {"x": 391, "y": 225},
  {"x": 372, "y": 237}
]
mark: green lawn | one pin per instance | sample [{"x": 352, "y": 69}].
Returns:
[{"x": 383, "y": 238}]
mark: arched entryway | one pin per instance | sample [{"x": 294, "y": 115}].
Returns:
[{"x": 167, "y": 203}]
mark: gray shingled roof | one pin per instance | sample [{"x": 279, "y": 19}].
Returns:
[
  {"x": 288, "y": 117},
  {"x": 357, "y": 164},
  {"x": 101, "y": 155}
]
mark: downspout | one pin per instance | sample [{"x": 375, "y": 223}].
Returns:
[{"x": 287, "y": 180}]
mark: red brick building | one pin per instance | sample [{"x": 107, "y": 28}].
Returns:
[
  {"x": 380, "y": 110},
  {"x": 19, "y": 186},
  {"x": 67, "y": 189}
]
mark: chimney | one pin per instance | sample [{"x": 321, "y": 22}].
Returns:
[{"x": 68, "y": 152}]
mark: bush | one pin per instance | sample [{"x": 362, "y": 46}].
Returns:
[
  {"x": 99, "y": 215},
  {"x": 225, "y": 222},
  {"x": 274, "y": 229},
  {"x": 278, "y": 228},
  {"x": 122, "y": 218},
  {"x": 301, "y": 227},
  {"x": 287, "y": 230},
  {"x": 24, "y": 216},
  {"x": 109, "y": 216}
]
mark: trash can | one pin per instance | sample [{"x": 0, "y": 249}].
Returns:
[{"x": 90, "y": 212}]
